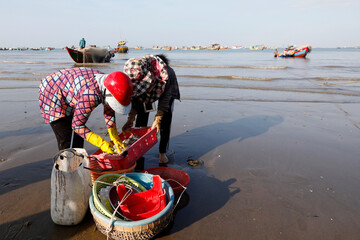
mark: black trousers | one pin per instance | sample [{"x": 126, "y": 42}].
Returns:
[
  {"x": 165, "y": 126},
  {"x": 63, "y": 131}
]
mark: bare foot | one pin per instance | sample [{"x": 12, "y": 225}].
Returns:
[{"x": 163, "y": 158}]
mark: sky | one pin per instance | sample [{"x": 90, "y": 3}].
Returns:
[{"x": 279, "y": 23}]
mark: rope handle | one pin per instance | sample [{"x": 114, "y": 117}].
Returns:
[
  {"x": 110, "y": 227},
  {"x": 70, "y": 150}
]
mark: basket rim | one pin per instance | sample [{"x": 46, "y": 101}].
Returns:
[
  {"x": 95, "y": 184},
  {"x": 123, "y": 223}
]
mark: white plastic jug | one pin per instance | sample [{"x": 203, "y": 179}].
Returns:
[{"x": 70, "y": 186}]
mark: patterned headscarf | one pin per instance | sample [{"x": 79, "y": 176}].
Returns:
[{"x": 148, "y": 75}]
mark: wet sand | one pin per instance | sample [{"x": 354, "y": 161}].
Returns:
[{"x": 272, "y": 170}]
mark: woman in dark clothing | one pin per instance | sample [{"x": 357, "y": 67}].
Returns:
[{"x": 163, "y": 87}]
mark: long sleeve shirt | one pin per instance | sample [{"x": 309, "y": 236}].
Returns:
[
  {"x": 82, "y": 43},
  {"x": 73, "y": 92},
  {"x": 171, "y": 91}
]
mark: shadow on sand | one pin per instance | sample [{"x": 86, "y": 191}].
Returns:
[
  {"x": 207, "y": 193},
  {"x": 199, "y": 141}
]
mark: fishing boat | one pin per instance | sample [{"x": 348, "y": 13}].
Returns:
[
  {"x": 90, "y": 55},
  {"x": 257, "y": 47},
  {"x": 121, "y": 47},
  {"x": 291, "y": 51},
  {"x": 214, "y": 46},
  {"x": 195, "y": 47},
  {"x": 167, "y": 48}
]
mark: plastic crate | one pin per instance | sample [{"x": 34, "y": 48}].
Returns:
[{"x": 148, "y": 138}]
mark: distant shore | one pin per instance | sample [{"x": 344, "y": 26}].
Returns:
[{"x": 165, "y": 48}]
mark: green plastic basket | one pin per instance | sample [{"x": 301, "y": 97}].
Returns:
[{"x": 111, "y": 178}]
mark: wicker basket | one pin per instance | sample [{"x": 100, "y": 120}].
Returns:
[
  {"x": 110, "y": 178},
  {"x": 136, "y": 230}
]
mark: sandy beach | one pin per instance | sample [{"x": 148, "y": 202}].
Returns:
[
  {"x": 271, "y": 170},
  {"x": 278, "y": 139}
]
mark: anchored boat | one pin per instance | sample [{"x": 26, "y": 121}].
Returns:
[
  {"x": 214, "y": 46},
  {"x": 292, "y": 51},
  {"x": 121, "y": 47},
  {"x": 90, "y": 55}
]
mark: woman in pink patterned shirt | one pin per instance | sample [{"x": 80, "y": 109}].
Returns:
[{"x": 68, "y": 97}]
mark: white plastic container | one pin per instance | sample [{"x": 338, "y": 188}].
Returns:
[{"x": 70, "y": 186}]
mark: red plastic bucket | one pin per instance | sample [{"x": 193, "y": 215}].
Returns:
[
  {"x": 142, "y": 205},
  {"x": 170, "y": 174}
]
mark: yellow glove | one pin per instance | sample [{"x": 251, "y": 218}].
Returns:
[
  {"x": 158, "y": 117},
  {"x": 96, "y": 140},
  {"x": 130, "y": 122},
  {"x": 114, "y": 136}
]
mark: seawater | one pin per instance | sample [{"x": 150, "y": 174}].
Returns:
[{"x": 326, "y": 75}]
